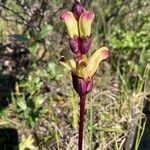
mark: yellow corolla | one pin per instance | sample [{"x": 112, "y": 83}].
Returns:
[
  {"x": 84, "y": 67},
  {"x": 85, "y": 22},
  {"x": 71, "y": 23}
]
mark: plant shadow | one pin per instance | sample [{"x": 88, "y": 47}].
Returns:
[
  {"x": 13, "y": 63},
  {"x": 144, "y": 143},
  {"x": 9, "y": 139},
  {"x": 7, "y": 86}
]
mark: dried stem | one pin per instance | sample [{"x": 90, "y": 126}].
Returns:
[{"x": 81, "y": 123}]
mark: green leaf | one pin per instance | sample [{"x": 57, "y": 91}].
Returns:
[
  {"x": 38, "y": 101},
  {"x": 20, "y": 38},
  {"x": 43, "y": 111},
  {"x": 33, "y": 47},
  {"x": 21, "y": 103},
  {"x": 44, "y": 32},
  {"x": 56, "y": 1},
  {"x": 33, "y": 33}
]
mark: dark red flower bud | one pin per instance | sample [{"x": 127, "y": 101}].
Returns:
[
  {"x": 77, "y": 9},
  {"x": 89, "y": 85},
  {"x": 82, "y": 86},
  {"x": 85, "y": 44},
  {"x": 75, "y": 44}
]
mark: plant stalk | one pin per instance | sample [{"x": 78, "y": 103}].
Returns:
[{"x": 81, "y": 121}]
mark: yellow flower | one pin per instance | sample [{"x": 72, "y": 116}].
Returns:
[
  {"x": 84, "y": 67},
  {"x": 67, "y": 60},
  {"x": 71, "y": 23},
  {"x": 85, "y": 22}
]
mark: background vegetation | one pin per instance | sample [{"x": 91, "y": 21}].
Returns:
[{"x": 36, "y": 95}]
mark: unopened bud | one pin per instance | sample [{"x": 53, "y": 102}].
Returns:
[
  {"x": 85, "y": 44},
  {"x": 82, "y": 86},
  {"x": 89, "y": 85},
  {"x": 77, "y": 9},
  {"x": 75, "y": 44}
]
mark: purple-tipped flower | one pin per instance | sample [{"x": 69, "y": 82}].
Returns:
[
  {"x": 82, "y": 67},
  {"x": 77, "y": 9},
  {"x": 71, "y": 23},
  {"x": 85, "y": 22}
]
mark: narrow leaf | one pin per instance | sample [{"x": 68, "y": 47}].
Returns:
[{"x": 20, "y": 38}]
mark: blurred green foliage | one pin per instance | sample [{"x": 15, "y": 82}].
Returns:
[
  {"x": 124, "y": 26},
  {"x": 33, "y": 38}
]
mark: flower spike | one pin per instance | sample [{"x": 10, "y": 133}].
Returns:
[{"x": 81, "y": 66}]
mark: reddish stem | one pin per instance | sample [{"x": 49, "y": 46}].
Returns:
[{"x": 81, "y": 123}]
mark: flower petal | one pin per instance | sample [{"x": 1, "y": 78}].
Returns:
[
  {"x": 95, "y": 59},
  {"x": 81, "y": 66},
  {"x": 71, "y": 23},
  {"x": 85, "y": 22},
  {"x": 67, "y": 60}
]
